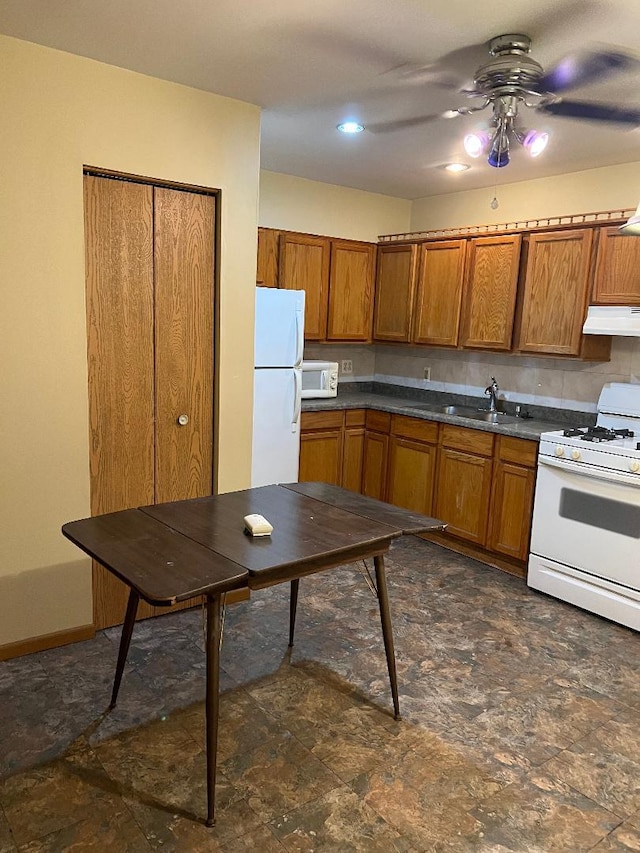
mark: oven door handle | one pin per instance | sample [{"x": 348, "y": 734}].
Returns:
[{"x": 590, "y": 472}]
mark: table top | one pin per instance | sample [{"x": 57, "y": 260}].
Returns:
[
  {"x": 408, "y": 521},
  {"x": 174, "y": 551}
]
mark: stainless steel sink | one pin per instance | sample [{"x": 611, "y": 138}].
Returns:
[
  {"x": 464, "y": 411},
  {"x": 492, "y": 417},
  {"x": 455, "y": 410},
  {"x": 469, "y": 412}
]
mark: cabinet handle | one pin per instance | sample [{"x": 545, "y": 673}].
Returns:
[{"x": 183, "y": 420}]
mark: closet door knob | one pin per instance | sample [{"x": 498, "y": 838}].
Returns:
[{"x": 183, "y": 420}]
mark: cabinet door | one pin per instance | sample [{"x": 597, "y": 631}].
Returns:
[
  {"x": 395, "y": 285},
  {"x": 304, "y": 265},
  {"x": 411, "y": 474},
  {"x": 490, "y": 292},
  {"x": 511, "y": 509},
  {"x": 555, "y": 292},
  {"x": 617, "y": 278},
  {"x": 353, "y": 449},
  {"x": 462, "y": 494},
  {"x": 267, "y": 269},
  {"x": 321, "y": 457},
  {"x": 374, "y": 475},
  {"x": 437, "y": 311},
  {"x": 351, "y": 280}
]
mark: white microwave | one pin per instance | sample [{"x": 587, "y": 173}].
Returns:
[{"x": 319, "y": 379}]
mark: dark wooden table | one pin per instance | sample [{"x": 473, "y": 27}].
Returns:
[{"x": 174, "y": 551}]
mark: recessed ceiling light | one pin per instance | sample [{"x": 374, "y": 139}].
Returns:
[
  {"x": 456, "y": 167},
  {"x": 350, "y": 127}
]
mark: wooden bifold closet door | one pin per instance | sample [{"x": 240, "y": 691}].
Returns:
[{"x": 149, "y": 298}]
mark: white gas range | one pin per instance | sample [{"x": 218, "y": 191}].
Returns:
[{"x": 585, "y": 540}]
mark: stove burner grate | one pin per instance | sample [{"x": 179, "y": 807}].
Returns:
[{"x": 596, "y": 433}]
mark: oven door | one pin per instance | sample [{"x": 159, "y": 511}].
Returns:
[{"x": 588, "y": 519}]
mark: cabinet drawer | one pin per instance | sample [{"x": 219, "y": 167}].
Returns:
[
  {"x": 355, "y": 417},
  {"x": 379, "y": 421},
  {"x": 321, "y": 420},
  {"x": 414, "y": 428},
  {"x": 519, "y": 450},
  {"x": 471, "y": 440}
]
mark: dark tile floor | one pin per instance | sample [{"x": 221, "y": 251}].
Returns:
[{"x": 519, "y": 733}]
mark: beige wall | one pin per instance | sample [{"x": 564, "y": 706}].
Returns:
[
  {"x": 60, "y": 112},
  {"x": 296, "y": 204},
  {"x": 579, "y": 192}
]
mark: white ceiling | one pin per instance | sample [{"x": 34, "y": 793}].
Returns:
[{"x": 313, "y": 64}]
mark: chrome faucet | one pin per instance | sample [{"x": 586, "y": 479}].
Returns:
[{"x": 492, "y": 391}]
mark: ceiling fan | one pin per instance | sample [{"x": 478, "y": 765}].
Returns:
[{"x": 511, "y": 79}]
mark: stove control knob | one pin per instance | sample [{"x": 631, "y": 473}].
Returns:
[
  {"x": 559, "y": 450},
  {"x": 634, "y": 467},
  {"x": 575, "y": 454}
]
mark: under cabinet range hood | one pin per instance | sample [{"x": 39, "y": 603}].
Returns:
[{"x": 613, "y": 320}]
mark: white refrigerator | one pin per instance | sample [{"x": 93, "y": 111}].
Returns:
[{"x": 277, "y": 385}]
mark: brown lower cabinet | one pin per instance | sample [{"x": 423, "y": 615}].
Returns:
[
  {"x": 465, "y": 465},
  {"x": 332, "y": 446},
  {"x": 484, "y": 492},
  {"x": 376, "y": 454},
  {"x": 514, "y": 479},
  {"x": 353, "y": 449},
  {"x": 412, "y": 463},
  {"x": 479, "y": 483}
]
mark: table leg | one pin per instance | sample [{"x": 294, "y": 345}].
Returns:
[
  {"x": 387, "y": 631},
  {"x": 125, "y": 639},
  {"x": 214, "y": 626},
  {"x": 293, "y": 604}
]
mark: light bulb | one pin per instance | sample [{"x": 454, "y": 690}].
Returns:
[
  {"x": 474, "y": 143},
  {"x": 535, "y": 142},
  {"x": 350, "y": 127}
]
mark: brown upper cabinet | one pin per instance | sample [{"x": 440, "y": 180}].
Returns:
[
  {"x": 395, "y": 285},
  {"x": 439, "y": 296},
  {"x": 617, "y": 276},
  {"x": 465, "y": 293},
  {"x": 337, "y": 277},
  {"x": 303, "y": 264},
  {"x": 555, "y": 294},
  {"x": 351, "y": 282},
  {"x": 490, "y": 290},
  {"x": 267, "y": 269}
]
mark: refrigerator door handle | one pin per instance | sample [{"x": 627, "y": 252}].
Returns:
[
  {"x": 297, "y": 404},
  {"x": 299, "y": 336}
]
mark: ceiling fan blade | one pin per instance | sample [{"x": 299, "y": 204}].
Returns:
[
  {"x": 453, "y": 70},
  {"x": 576, "y": 69},
  {"x": 401, "y": 124},
  {"x": 593, "y": 112}
]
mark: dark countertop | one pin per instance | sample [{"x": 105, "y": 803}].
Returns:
[{"x": 430, "y": 409}]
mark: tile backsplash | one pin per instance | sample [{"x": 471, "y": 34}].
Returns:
[{"x": 534, "y": 380}]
